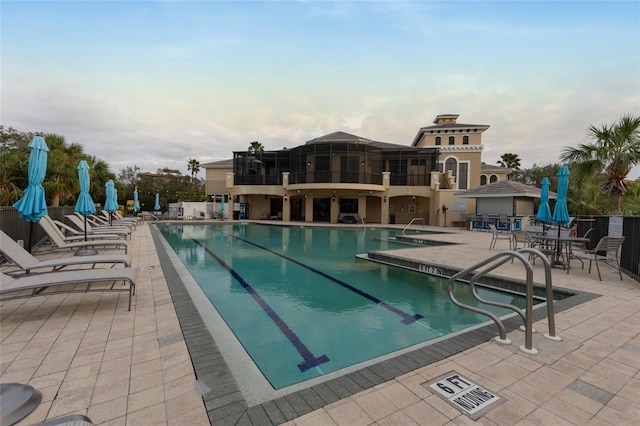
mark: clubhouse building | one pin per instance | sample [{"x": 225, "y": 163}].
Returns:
[{"x": 342, "y": 177}]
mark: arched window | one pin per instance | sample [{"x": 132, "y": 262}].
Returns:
[
  {"x": 452, "y": 140},
  {"x": 493, "y": 178},
  {"x": 483, "y": 180},
  {"x": 438, "y": 140}
]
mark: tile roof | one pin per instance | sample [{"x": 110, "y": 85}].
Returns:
[
  {"x": 503, "y": 188},
  {"x": 218, "y": 164}
]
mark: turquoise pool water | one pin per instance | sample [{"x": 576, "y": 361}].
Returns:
[{"x": 302, "y": 305}]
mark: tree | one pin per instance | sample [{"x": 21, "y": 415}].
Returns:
[
  {"x": 194, "y": 166},
  {"x": 255, "y": 147},
  {"x": 61, "y": 181},
  {"x": 100, "y": 174},
  {"x": 616, "y": 151},
  {"x": 536, "y": 173},
  {"x": 511, "y": 161},
  {"x": 14, "y": 160}
]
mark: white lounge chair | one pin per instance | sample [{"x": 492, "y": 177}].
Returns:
[
  {"x": 50, "y": 283},
  {"x": 57, "y": 238},
  {"x": 97, "y": 222},
  {"x": 79, "y": 224},
  {"x": 72, "y": 234},
  {"x": 26, "y": 262},
  {"x": 101, "y": 222}
]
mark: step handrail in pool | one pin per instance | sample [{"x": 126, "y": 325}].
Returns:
[
  {"x": 413, "y": 220},
  {"x": 494, "y": 262}
]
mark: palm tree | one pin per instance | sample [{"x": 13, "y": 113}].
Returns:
[
  {"x": 511, "y": 161},
  {"x": 256, "y": 147},
  {"x": 100, "y": 174},
  {"x": 616, "y": 151},
  {"x": 61, "y": 181},
  {"x": 194, "y": 166}
]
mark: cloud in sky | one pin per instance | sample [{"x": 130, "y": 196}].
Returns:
[{"x": 154, "y": 84}]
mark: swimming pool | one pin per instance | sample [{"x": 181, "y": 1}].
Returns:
[{"x": 302, "y": 305}]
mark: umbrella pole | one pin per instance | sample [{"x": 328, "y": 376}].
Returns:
[
  {"x": 557, "y": 263},
  {"x": 86, "y": 251},
  {"x": 30, "y": 237}
]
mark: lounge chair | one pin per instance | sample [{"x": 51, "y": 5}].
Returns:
[
  {"x": 79, "y": 223},
  {"x": 63, "y": 282},
  {"x": 100, "y": 221},
  {"x": 26, "y": 262},
  {"x": 114, "y": 218},
  {"x": 72, "y": 234},
  {"x": 57, "y": 238},
  {"x": 117, "y": 215},
  {"x": 97, "y": 222}
]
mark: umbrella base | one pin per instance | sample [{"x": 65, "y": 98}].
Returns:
[
  {"x": 558, "y": 264},
  {"x": 86, "y": 252}
]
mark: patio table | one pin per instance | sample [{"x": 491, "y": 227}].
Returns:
[{"x": 561, "y": 243}]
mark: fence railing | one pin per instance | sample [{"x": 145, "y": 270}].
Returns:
[
  {"x": 630, "y": 254},
  {"x": 18, "y": 229}
]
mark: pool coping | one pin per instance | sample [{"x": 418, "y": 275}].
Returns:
[{"x": 224, "y": 401}]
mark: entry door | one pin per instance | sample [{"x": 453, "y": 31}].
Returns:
[{"x": 322, "y": 209}]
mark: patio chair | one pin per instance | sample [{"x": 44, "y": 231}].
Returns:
[
  {"x": 473, "y": 218},
  {"x": 486, "y": 219},
  {"x": 464, "y": 219},
  {"x": 49, "y": 283},
  {"x": 577, "y": 247},
  {"x": 503, "y": 220},
  {"x": 57, "y": 239},
  {"x": 611, "y": 247},
  {"x": 26, "y": 262},
  {"x": 498, "y": 236},
  {"x": 520, "y": 239}
]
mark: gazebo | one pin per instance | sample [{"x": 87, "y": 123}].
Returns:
[{"x": 508, "y": 198}]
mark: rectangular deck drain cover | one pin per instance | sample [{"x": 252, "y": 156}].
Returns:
[{"x": 468, "y": 397}]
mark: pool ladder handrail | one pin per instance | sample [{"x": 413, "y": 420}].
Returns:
[
  {"x": 494, "y": 262},
  {"x": 413, "y": 220}
]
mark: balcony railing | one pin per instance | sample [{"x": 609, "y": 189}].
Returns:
[{"x": 335, "y": 177}]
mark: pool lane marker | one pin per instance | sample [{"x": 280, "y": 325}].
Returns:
[
  {"x": 406, "y": 318},
  {"x": 310, "y": 360}
]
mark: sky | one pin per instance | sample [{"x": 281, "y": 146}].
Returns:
[{"x": 155, "y": 83}]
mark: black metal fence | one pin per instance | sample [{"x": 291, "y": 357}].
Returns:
[
  {"x": 630, "y": 255},
  {"x": 18, "y": 229}
]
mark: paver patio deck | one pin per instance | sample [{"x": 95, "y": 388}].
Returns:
[{"x": 88, "y": 355}]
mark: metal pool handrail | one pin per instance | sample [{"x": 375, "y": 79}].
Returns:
[
  {"x": 494, "y": 262},
  {"x": 413, "y": 220}
]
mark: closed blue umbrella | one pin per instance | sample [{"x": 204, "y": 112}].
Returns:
[
  {"x": 544, "y": 212},
  {"x": 157, "y": 206},
  {"x": 111, "y": 202},
  {"x": 84, "y": 204},
  {"x": 136, "y": 203},
  {"x": 32, "y": 206},
  {"x": 561, "y": 211},
  {"x": 222, "y": 205}
]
